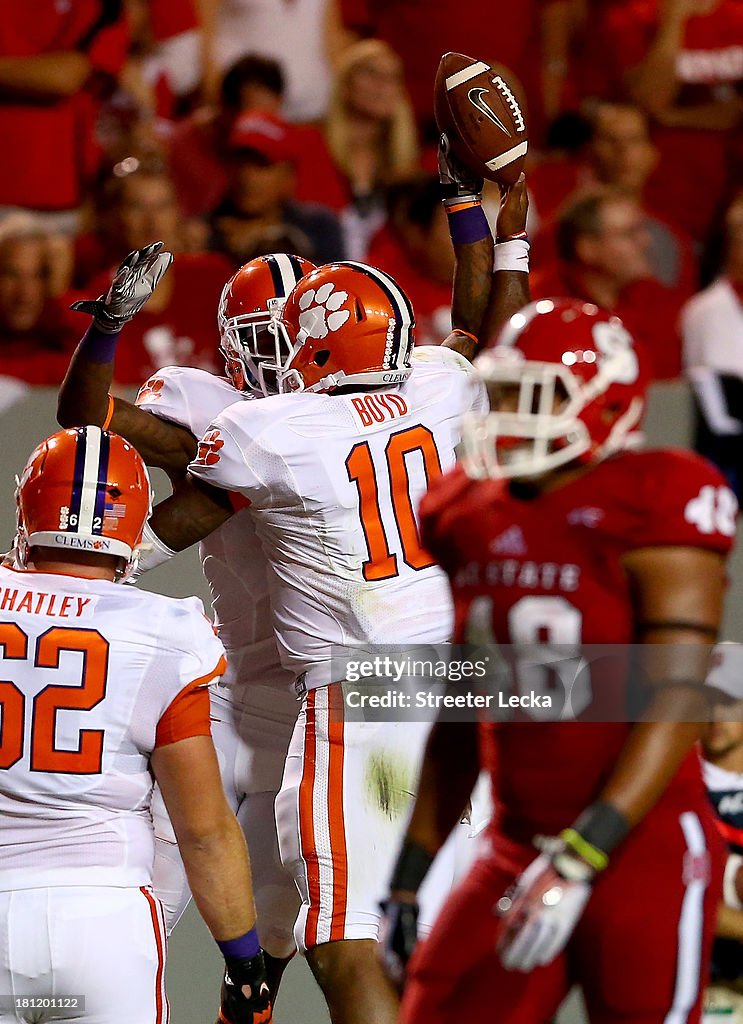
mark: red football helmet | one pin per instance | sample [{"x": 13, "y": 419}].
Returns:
[
  {"x": 346, "y": 324},
  {"x": 84, "y": 489},
  {"x": 250, "y": 304},
  {"x": 566, "y": 384}
]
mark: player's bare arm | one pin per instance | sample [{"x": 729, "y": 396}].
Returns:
[
  {"x": 442, "y": 794},
  {"x": 215, "y": 857},
  {"x": 439, "y": 803},
  {"x": 510, "y": 290},
  {"x": 209, "y": 838},
  {"x": 486, "y": 293},
  {"x": 730, "y": 923},
  {"x": 191, "y": 513},
  {"x": 679, "y": 598},
  {"x": 84, "y": 395},
  {"x": 491, "y": 282}
]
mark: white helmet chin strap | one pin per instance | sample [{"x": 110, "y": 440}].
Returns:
[{"x": 290, "y": 380}]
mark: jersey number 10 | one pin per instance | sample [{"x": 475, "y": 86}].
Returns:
[{"x": 382, "y": 562}]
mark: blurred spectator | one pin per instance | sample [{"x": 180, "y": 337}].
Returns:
[
  {"x": 560, "y": 169},
  {"x": 415, "y": 248},
  {"x": 135, "y": 205},
  {"x": 54, "y": 59},
  {"x": 602, "y": 245},
  {"x": 421, "y": 31},
  {"x": 620, "y": 154},
  {"x": 163, "y": 67},
  {"x": 178, "y": 325},
  {"x": 371, "y": 135},
  {"x": 260, "y": 194},
  {"x": 722, "y": 765},
  {"x": 306, "y": 37},
  {"x": 198, "y": 145},
  {"x": 164, "y": 63},
  {"x": 712, "y": 327},
  {"x": 37, "y": 332},
  {"x": 681, "y": 61}
]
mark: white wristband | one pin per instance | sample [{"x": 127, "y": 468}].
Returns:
[
  {"x": 152, "y": 551},
  {"x": 512, "y": 255},
  {"x": 729, "y": 891}
]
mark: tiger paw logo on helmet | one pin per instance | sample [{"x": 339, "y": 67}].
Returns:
[
  {"x": 209, "y": 446},
  {"x": 326, "y": 315}
]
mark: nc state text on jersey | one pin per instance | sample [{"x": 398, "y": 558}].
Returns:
[{"x": 511, "y": 572}]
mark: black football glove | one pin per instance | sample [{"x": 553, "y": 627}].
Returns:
[
  {"x": 135, "y": 280},
  {"x": 398, "y": 937},
  {"x": 457, "y": 184},
  {"x": 245, "y": 997}
]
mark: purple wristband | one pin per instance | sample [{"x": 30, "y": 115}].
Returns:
[
  {"x": 468, "y": 226},
  {"x": 243, "y": 948},
  {"x": 97, "y": 346}
]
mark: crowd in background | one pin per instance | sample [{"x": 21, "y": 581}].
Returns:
[{"x": 232, "y": 128}]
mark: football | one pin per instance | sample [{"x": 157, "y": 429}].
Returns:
[{"x": 483, "y": 117}]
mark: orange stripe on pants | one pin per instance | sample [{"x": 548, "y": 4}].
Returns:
[
  {"x": 159, "y": 942},
  {"x": 335, "y": 813},
  {"x": 307, "y": 821}
]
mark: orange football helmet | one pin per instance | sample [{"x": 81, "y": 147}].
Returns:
[
  {"x": 251, "y": 301},
  {"x": 84, "y": 489},
  {"x": 346, "y": 324}
]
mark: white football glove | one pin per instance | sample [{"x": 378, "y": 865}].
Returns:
[
  {"x": 134, "y": 282},
  {"x": 543, "y": 907},
  {"x": 458, "y": 184}
]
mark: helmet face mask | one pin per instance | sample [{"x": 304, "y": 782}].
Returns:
[
  {"x": 84, "y": 490},
  {"x": 250, "y": 309},
  {"x": 253, "y": 347},
  {"x": 566, "y": 387}
]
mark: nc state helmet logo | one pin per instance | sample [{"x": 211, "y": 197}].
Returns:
[
  {"x": 318, "y": 320},
  {"x": 209, "y": 446}
]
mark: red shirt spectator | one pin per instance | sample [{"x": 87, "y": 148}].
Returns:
[
  {"x": 431, "y": 299},
  {"x": 37, "y": 333},
  {"x": 198, "y": 163},
  {"x": 48, "y": 52},
  {"x": 178, "y": 326},
  {"x": 165, "y": 59},
  {"x": 415, "y": 249},
  {"x": 649, "y": 311},
  {"x": 422, "y": 31},
  {"x": 687, "y": 71},
  {"x": 621, "y": 155},
  {"x": 602, "y": 244}
]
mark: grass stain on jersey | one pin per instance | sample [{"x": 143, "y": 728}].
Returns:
[{"x": 389, "y": 784}]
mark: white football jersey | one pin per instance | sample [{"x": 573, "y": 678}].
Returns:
[
  {"x": 93, "y": 678},
  {"x": 334, "y": 483},
  {"x": 231, "y": 557}
]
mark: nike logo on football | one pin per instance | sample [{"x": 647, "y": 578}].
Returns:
[{"x": 475, "y": 96}]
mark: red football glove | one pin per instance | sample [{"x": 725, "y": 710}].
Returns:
[{"x": 543, "y": 907}]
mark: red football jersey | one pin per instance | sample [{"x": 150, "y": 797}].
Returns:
[{"x": 549, "y": 569}]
